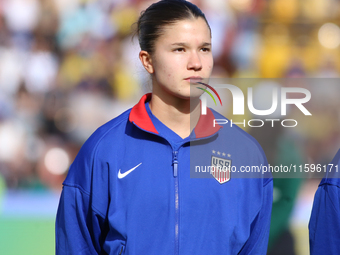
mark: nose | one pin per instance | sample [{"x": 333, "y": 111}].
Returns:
[{"x": 194, "y": 62}]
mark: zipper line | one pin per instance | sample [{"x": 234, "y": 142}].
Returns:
[
  {"x": 175, "y": 173},
  {"x": 175, "y": 165},
  {"x": 176, "y": 217}
]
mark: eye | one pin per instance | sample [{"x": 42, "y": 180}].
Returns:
[
  {"x": 179, "y": 50},
  {"x": 205, "y": 49}
]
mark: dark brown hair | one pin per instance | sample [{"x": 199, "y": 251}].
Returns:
[{"x": 152, "y": 21}]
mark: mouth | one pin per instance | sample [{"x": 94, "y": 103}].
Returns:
[{"x": 194, "y": 79}]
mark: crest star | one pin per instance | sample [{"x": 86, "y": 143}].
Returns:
[
  {"x": 213, "y": 151},
  {"x": 229, "y": 155},
  {"x": 219, "y": 153},
  {"x": 223, "y": 154}
]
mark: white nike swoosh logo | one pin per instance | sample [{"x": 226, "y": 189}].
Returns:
[{"x": 120, "y": 175}]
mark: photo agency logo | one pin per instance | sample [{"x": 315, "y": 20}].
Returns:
[
  {"x": 212, "y": 89},
  {"x": 279, "y": 100}
]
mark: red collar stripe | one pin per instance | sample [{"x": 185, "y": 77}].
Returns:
[
  {"x": 205, "y": 126},
  {"x": 140, "y": 117}
]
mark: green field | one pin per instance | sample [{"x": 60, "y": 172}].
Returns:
[{"x": 26, "y": 236}]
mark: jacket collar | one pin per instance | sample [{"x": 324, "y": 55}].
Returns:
[{"x": 140, "y": 118}]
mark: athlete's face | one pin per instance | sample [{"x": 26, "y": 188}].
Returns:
[{"x": 182, "y": 53}]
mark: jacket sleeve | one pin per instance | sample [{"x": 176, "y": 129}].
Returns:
[
  {"x": 81, "y": 222},
  {"x": 79, "y": 228},
  {"x": 259, "y": 233},
  {"x": 324, "y": 224}
]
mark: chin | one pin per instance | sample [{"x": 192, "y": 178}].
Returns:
[{"x": 195, "y": 93}]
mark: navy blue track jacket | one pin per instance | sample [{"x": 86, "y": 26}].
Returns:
[{"x": 129, "y": 191}]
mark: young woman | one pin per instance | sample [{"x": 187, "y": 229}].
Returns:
[{"x": 129, "y": 189}]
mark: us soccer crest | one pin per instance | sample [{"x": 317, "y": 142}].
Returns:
[{"x": 220, "y": 169}]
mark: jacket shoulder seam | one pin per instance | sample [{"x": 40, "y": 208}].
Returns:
[{"x": 78, "y": 187}]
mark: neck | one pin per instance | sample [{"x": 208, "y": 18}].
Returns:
[{"x": 180, "y": 115}]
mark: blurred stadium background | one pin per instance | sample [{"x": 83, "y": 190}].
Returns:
[{"x": 68, "y": 66}]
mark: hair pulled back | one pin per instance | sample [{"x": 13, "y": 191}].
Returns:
[{"x": 152, "y": 21}]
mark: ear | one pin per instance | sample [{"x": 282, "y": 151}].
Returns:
[{"x": 146, "y": 60}]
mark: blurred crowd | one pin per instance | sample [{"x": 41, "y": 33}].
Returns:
[{"x": 68, "y": 66}]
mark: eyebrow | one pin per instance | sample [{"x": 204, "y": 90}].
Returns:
[{"x": 186, "y": 45}]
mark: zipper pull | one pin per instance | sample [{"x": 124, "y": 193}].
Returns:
[{"x": 175, "y": 162}]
